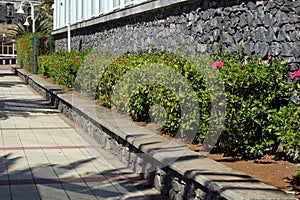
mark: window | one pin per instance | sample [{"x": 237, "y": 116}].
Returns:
[
  {"x": 79, "y": 10},
  {"x": 74, "y": 11},
  {"x": 61, "y": 17},
  {"x": 102, "y": 6},
  {"x": 95, "y": 7},
  {"x": 116, "y": 4},
  {"x": 129, "y": 2},
  {"x": 10, "y": 10}
]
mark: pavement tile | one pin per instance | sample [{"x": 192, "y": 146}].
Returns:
[
  {"x": 43, "y": 171},
  {"x": 7, "y": 124},
  {"x": 3, "y": 172},
  {"x": 44, "y": 139},
  {"x": 22, "y": 192},
  {"x": 74, "y": 137},
  {"x": 104, "y": 190},
  {"x": 78, "y": 191},
  {"x": 60, "y": 138},
  {"x": 52, "y": 191},
  {"x": 5, "y": 193}
]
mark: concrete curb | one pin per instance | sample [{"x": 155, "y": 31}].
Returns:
[{"x": 169, "y": 167}]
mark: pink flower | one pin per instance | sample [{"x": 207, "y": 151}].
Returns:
[
  {"x": 243, "y": 66},
  {"x": 270, "y": 58},
  {"x": 77, "y": 61},
  {"x": 218, "y": 64},
  {"x": 77, "y": 57},
  {"x": 92, "y": 56},
  {"x": 295, "y": 74}
]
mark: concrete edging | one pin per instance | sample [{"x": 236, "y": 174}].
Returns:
[{"x": 188, "y": 176}]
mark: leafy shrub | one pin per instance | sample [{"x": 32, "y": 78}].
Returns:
[
  {"x": 62, "y": 67},
  {"x": 259, "y": 111},
  {"x": 286, "y": 128},
  {"x": 136, "y": 82},
  {"x": 25, "y": 49},
  {"x": 286, "y": 122},
  {"x": 90, "y": 73},
  {"x": 256, "y": 91}
]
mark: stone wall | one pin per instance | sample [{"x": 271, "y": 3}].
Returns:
[{"x": 260, "y": 27}]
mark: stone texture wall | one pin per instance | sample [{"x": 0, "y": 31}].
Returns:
[{"x": 260, "y": 27}]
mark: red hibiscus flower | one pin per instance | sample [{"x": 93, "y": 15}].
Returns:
[
  {"x": 295, "y": 74},
  {"x": 270, "y": 58},
  {"x": 218, "y": 64}
]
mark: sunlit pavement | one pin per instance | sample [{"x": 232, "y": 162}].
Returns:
[{"x": 42, "y": 156}]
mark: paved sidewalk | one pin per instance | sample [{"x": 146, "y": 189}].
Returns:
[{"x": 42, "y": 156}]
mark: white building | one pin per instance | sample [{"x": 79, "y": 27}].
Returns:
[{"x": 76, "y": 11}]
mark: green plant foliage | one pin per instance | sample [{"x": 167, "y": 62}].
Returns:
[
  {"x": 43, "y": 25},
  {"x": 62, "y": 67},
  {"x": 25, "y": 49},
  {"x": 286, "y": 128},
  {"x": 90, "y": 73},
  {"x": 255, "y": 91},
  {"x": 156, "y": 87},
  {"x": 134, "y": 83}
]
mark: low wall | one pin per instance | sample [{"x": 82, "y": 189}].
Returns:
[
  {"x": 264, "y": 27},
  {"x": 169, "y": 167}
]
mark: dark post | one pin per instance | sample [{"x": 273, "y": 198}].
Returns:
[{"x": 34, "y": 70}]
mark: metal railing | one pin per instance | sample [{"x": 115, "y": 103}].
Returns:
[{"x": 7, "y": 54}]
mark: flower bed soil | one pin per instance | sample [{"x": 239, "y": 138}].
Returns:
[{"x": 278, "y": 173}]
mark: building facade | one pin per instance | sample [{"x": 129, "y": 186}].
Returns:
[{"x": 265, "y": 27}]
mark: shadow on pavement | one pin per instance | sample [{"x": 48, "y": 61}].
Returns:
[{"x": 107, "y": 184}]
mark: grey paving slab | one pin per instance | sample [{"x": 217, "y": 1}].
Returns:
[
  {"x": 79, "y": 191},
  {"x": 104, "y": 190},
  {"x": 43, "y": 172},
  {"x": 5, "y": 193},
  {"x": 52, "y": 191},
  {"x": 21, "y": 192}
]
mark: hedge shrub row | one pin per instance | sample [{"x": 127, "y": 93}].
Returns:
[
  {"x": 25, "y": 49},
  {"x": 156, "y": 86},
  {"x": 61, "y": 67}
]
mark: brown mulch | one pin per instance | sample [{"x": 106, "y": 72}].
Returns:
[{"x": 278, "y": 173}]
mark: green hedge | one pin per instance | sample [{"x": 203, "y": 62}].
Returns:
[
  {"x": 256, "y": 92},
  {"x": 62, "y": 67},
  {"x": 259, "y": 113},
  {"x": 25, "y": 49}
]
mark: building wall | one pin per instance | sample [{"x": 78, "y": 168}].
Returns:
[
  {"x": 73, "y": 11},
  {"x": 8, "y": 13},
  {"x": 260, "y": 27}
]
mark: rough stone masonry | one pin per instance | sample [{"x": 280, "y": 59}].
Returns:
[{"x": 269, "y": 27}]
